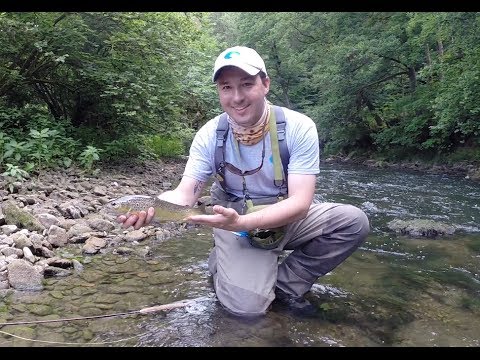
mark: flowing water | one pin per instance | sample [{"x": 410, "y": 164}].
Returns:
[{"x": 393, "y": 291}]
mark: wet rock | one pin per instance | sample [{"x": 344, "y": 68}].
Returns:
[
  {"x": 79, "y": 239},
  {"x": 46, "y": 244},
  {"x": 93, "y": 245},
  {"x": 135, "y": 235},
  {"x": 421, "y": 228},
  {"x": 46, "y": 253},
  {"x": 48, "y": 220},
  {"x": 72, "y": 209},
  {"x": 67, "y": 223},
  {"x": 9, "y": 251},
  {"x": 4, "y": 274},
  {"x": 21, "y": 240},
  {"x": 100, "y": 224},
  {"x": 26, "y": 200},
  {"x": 59, "y": 262},
  {"x": 122, "y": 250},
  {"x": 9, "y": 229},
  {"x": 2, "y": 217},
  {"x": 40, "y": 309},
  {"x": 27, "y": 254},
  {"x": 473, "y": 174},
  {"x": 57, "y": 236},
  {"x": 127, "y": 183},
  {"x": 99, "y": 190},
  {"x": 36, "y": 240},
  {"x": 53, "y": 271},
  {"x": 78, "y": 229},
  {"x": 23, "y": 276},
  {"x": 162, "y": 234},
  {"x": 77, "y": 266}
]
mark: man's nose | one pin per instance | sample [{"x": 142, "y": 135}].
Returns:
[{"x": 238, "y": 95}]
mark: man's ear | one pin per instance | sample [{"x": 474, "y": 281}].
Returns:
[{"x": 266, "y": 84}]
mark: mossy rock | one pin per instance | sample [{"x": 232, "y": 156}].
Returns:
[
  {"x": 421, "y": 228},
  {"x": 20, "y": 217}
]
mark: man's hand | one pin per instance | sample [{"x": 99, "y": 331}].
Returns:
[
  {"x": 222, "y": 218},
  {"x": 142, "y": 218}
]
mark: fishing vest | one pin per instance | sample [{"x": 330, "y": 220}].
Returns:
[{"x": 278, "y": 144}]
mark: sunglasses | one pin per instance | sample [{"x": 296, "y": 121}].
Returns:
[{"x": 234, "y": 170}]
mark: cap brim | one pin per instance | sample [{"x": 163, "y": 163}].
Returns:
[{"x": 249, "y": 69}]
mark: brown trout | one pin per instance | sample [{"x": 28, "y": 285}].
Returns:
[{"x": 164, "y": 211}]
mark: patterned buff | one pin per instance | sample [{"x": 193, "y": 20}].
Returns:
[{"x": 252, "y": 134}]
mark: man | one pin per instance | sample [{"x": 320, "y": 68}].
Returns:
[{"x": 246, "y": 273}]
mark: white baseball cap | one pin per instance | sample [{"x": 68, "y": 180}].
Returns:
[{"x": 242, "y": 57}]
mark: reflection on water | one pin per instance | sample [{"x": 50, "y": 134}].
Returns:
[{"x": 394, "y": 291}]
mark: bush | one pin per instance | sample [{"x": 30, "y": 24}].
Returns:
[{"x": 162, "y": 146}]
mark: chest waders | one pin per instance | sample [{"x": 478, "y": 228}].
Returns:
[{"x": 260, "y": 238}]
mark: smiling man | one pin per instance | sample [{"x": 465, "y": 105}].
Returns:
[{"x": 265, "y": 160}]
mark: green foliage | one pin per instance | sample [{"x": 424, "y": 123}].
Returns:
[
  {"x": 15, "y": 151},
  {"x": 124, "y": 148},
  {"x": 395, "y": 83},
  {"x": 88, "y": 157},
  {"x": 407, "y": 122},
  {"x": 162, "y": 146},
  {"x": 14, "y": 173},
  {"x": 41, "y": 148},
  {"x": 469, "y": 154},
  {"x": 115, "y": 72}
]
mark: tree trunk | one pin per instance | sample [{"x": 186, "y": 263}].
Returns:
[
  {"x": 427, "y": 54},
  {"x": 280, "y": 78},
  {"x": 412, "y": 77},
  {"x": 440, "y": 48}
]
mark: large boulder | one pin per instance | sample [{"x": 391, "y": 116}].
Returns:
[{"x": 24, "y": 276}]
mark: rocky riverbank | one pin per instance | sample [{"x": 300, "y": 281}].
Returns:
[
  {"x": 468, "y": 170},
  {"x": 56, "y": 208}
]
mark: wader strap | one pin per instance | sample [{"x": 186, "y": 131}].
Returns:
[
  {"x": 280, "y": 122},
  {"x": 279, "y": 180},
  {"x": 222, "y": 131}
]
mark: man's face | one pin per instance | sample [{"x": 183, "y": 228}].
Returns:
[{"x": 242, "y": 96}]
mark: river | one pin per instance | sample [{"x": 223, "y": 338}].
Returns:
[{"x": 394, "y": 291}]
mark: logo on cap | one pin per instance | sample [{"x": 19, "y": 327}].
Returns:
[{"x": 230, "y": 54}]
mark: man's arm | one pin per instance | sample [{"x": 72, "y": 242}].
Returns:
[
  {"x": 186, "y": 193},
  {"x": 301, "y": 189}
]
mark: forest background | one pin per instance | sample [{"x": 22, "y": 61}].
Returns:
[{"x": 79, "y": 88}]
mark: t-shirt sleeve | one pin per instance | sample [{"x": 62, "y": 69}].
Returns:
[
  {"x": 200, "y": 159},
  {"x": 304, "y": 147}
]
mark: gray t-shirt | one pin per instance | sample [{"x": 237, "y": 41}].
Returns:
[{"x": 302, "y": 142}]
